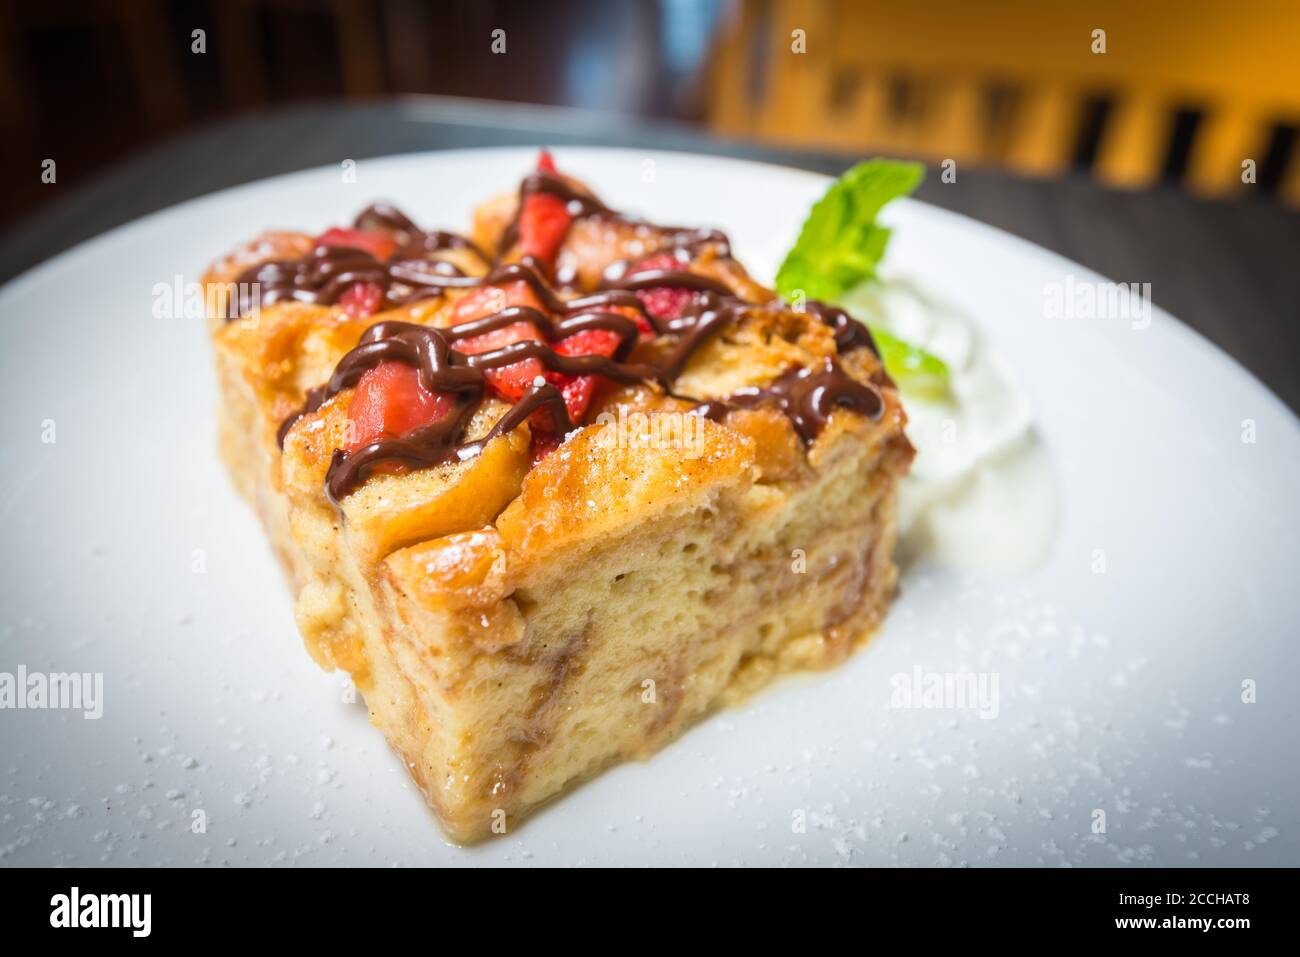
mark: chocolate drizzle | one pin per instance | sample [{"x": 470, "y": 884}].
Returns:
[
  {"x": 440, "y": 369},
  {"x": 581, "y": 204},
  {"x": 444, "y": 369},
  {"x": 850, "y": 334},
  {"x": 678, "y": 278},
  {"x": 322, "y": 276},
  {"x": 808, "y": 396},
  {"x": 412, "y": 241}
]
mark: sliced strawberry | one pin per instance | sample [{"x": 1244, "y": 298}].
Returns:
[
  {"x": 390, "y": 401},
  {"x": 665, "y": 302},
  {"x": 512, "y": 381},
  {"x": 544, "y": 443},
  {"x": 544, "y": 220},
  {"x": 543, "y": 224},
  {"x": 578, "y": 390},
  {"x": 488, "y": 300},
  {"x": 378, "y": 243},
  {"x": 589, "y": 342},
  {"x": 362, "y": 299}
]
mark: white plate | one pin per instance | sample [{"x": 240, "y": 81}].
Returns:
[{"x": 1120, "y": 692}]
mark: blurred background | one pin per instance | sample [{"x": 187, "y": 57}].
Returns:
[
  {"x": 1152, "y": 141},
  {"x": 1184, "y": 92}
]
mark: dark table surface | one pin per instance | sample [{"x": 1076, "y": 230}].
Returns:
[{"x": 1229, "y": 270}]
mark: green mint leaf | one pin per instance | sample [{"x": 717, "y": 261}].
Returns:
[
  {"x": 840, "y": 243},
  {"x": 918, "y": 373}
]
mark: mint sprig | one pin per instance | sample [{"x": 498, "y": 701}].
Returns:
[
  {"x": 840, "y": 246},
  {"x": 841, "y": 243}
]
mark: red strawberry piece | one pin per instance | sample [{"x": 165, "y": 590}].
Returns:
[
  {"x": 543, "y": 224},
  {"x": 488, "y": 300},
  {"x": 664, "y": 302},
  {"x": 390, "y": 401},
  {"x": 362, "y": 299},
  {"x": 544, "y": 443},
  {"x": 578, "y": 390},
  {"x": 589, "y": 342},
  {"x": 512, "y": 381},
  {"x": 544, "y": 220},
  {"x": 377, "y": 242}
]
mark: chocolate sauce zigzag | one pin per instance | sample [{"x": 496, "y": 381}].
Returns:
[
  {"x": 322, "y": 276},
  {"x": 808, "y": 396},
  {"x": 579, "y": 314},
  {"x": 411, "y": 239},
  {"x": 711, "y": 312},
  {"x": 438, "y": 442},
  {"x": 443, "y": 369}
]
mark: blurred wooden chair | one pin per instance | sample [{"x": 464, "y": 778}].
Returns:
[
  {"x": 1014, "y": 82},
  {"x": 356, "y": 30},
  {"x": 137, "y": 25},
  {"x": 154, "y": 37}
]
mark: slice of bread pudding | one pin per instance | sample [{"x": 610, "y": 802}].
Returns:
[{"x": 551, "y": 493}]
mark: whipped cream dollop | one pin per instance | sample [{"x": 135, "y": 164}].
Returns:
[{"x": 982, "y": 493}]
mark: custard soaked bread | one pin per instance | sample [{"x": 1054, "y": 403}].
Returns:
[{"x": 551, "y": 493}]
